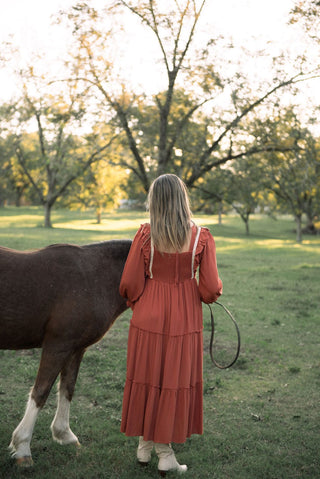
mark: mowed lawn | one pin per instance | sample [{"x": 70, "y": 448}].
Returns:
[{"x": 261, "y": 417}]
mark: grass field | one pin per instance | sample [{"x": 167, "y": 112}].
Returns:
[{"x": 261, "y": 417}]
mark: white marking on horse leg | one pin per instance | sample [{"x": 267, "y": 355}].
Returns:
[
  {"x": 22, "y": 435},
  {"x": 60, "y": 427}
]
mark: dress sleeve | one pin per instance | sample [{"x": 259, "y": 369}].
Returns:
[
  {"x": 133, "y": 276},
  {"x": 210, "y": 285}
]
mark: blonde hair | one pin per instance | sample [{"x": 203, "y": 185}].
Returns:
[{"x": 170, "y": 214}]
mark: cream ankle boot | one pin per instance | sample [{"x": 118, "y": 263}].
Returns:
[
  {"x": 167, "y": 459},
  {"x": 144, "y": 451}
]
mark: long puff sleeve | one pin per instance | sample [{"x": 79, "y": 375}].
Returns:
[
  {"x": 133, "y": 276},
  {"x": 210, "y": 285}
]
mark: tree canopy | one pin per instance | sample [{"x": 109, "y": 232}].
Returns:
[
  {"x": 209, "y": 123},
  {"x": 175, "y": 108}
]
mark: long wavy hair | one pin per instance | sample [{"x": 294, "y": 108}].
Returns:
[{"x": 170, "y": 215}]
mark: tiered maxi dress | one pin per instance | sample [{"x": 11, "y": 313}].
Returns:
[{"x": 162, "y": 398}]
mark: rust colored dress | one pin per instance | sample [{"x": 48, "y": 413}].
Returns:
[{"x": 162, "y": 398}]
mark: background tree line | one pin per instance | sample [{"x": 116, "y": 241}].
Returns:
[{"x": 86, "y": 137}]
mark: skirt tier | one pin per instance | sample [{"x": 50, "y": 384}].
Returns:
[{"x": 163, "y": 392}]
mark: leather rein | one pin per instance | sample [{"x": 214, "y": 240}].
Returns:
[{"x": 212, "y": 337}]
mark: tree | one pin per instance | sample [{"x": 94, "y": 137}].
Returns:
[
  {"x": 101, "y": 188},
  {"x": 293, "y": 175},
  {"x": 211, "y": 195},
  {"x": 13, "y": 182},
  {"x": 17, "y": 183},
  {"x": 244, "y": 193},
  {"x": 53, "y": 157},
  {"x": 185, "y": 68},
  {"x": 238, "y": 185}
]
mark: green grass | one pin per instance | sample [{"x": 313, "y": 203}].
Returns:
[{"x": 261, "y": 417}]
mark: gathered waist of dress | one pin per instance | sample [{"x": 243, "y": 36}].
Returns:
[
  {"x": 174, "y": 279},
  {"x": 172, "y": 268}
]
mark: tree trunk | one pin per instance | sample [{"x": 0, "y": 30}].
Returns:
[
  {"x": 98, "y": 213},
  {"x": 18, "y": 197},
  {"x": 47, "y": 215},
  {"x": 247, "y": 226},
  {"x": 310, "y": 227},
  {"x": 220, "y": 212},
  {"x": 299, "y": 228}
]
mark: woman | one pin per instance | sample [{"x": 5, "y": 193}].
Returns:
[{"x": 162, "y": 400}]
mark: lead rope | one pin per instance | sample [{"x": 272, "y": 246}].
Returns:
[
  {"x": 212, "y": 337},
  {"x": 212, "y": 317}
]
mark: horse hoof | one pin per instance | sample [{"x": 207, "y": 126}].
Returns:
[
  {"x": 78, "y": 445},
  {"x": 25, "y": 461}
]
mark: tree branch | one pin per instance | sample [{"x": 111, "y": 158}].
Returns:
[
  {"x": 199, "y": 171},
  {"x": 92, "y": 158},
  {"x": 22, "y": 162},
  {"x": 181, "y": 125},
  {"x": 197, "y": 15},
  {"x": 132, "y": 144},
  {"x": 125, "y": 125},
  {"x": 295, "y": 79}
]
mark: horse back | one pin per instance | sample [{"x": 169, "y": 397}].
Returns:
[{"x": 63, "y": 292}]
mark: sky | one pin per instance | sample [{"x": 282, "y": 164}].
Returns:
[
  {"x": 29, "y": 19},
  {"x": 253, "y": 23}
]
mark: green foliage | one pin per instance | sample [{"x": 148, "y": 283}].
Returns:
[
  {"x": 208, "y": 115},
  {"x": 42, "y": 128},
  {"x": 285, "y": 180},
  {"x": 293, "y": 175},
  {"x": 102, "y": 188},
  {"x": 184, "y": 128},
  {"x": 260, "y": 417}
]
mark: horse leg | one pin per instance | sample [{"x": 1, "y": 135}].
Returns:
[
  {"x": 51, "y": 363},
  {"x": 60, "y": 427},
  {"x": 21, "y": 437}
]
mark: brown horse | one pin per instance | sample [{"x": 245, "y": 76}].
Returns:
[{"x": 61, "y": 298}]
